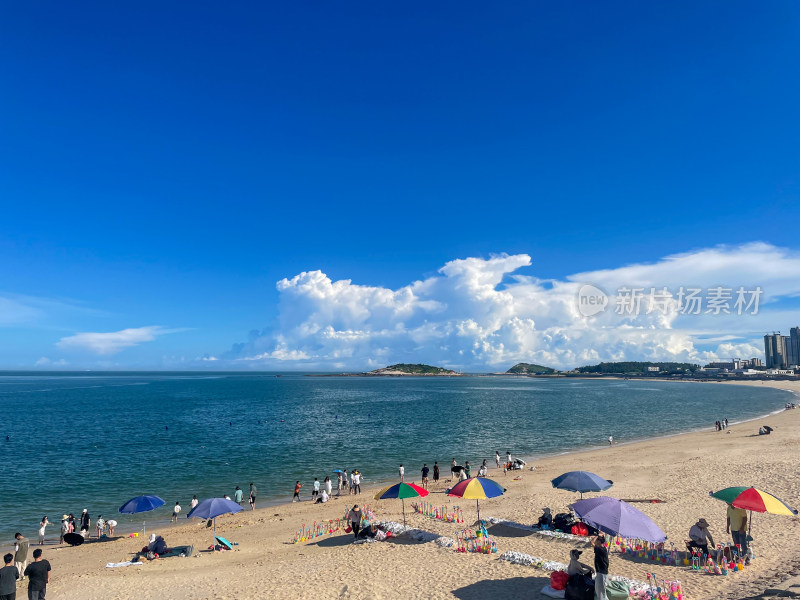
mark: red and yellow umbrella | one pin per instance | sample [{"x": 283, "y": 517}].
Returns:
[{"x": 750, "y": 498}]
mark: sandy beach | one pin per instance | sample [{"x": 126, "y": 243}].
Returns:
[{"x": 678, "y": 470}]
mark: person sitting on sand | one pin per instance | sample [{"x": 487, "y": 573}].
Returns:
[
  {"x": 700, "y": 536},
  {"x": 546, "y": 520},
  {"x": 323, "y": 497},
  {"x": 575, "y": 566}
]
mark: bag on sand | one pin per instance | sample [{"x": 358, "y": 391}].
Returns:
[
  {"x": 579, "y": 587},
  {"x": 558, "y": 580},
  {"x": 617, "y": 590}
]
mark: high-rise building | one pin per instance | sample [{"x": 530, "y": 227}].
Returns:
[
  {"x": 793, "y": 347},
  {"x": 775, "y": 350}
]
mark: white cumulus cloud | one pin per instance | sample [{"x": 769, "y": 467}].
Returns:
[
  {"x": 479, "y": 313},
  {"x": 114, "y": 341}
]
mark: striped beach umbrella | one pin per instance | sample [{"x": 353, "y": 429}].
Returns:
[
  {"x": 477, "y": 488},
  {"x": 402, "y": 491},
  {"x": 750, "y": 498},
  {"x": 753, "y": 499}
]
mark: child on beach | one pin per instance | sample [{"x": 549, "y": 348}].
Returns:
[
  {"x": 111, "y": 524},
  {"x": 64, "y": 528},
  {"x": 101, "y": 525},
  {"x": 297, "y": 487},
  {"x": 175, "y": 512},
  {"x": 315, "y": 489},
  {"x": 42, "y": 527}
]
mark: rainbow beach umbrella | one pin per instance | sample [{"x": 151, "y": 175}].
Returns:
[
  {"x": 402, "y": 491},
  {"x": 477, "y": 488},
  {"x": 753, "y": 499}
]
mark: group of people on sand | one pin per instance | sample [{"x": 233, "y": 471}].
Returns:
[
  {"x": 700, "y": 538},
  {"x": 16, "y": 568},
  {"x": 81, "y": 525},
  {"x": 720, "y": 425},
  {"x": 322, "y": 491}
]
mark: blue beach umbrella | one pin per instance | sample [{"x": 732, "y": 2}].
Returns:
[
  {"x": 581, "y": 481},
  {"x": 211, "y": 508},
  {"x": 141, "y": 504}
]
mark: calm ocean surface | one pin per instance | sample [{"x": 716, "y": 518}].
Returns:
[{"x": 94, "y": 441}]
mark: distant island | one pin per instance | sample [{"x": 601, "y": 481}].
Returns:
[
  {"x": 639, "y": 368},
  {"x": 402, "y": 369},
  {"x": 530, "y": 369}
]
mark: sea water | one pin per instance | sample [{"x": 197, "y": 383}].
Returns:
[{"x": 95, "y": 440}]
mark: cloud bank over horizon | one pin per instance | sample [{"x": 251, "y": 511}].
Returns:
[{"x": 481, "y": 313}]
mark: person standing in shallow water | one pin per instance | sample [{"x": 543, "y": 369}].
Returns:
[
  {"x": 435, "y": 472},
  {"x": 252, "y": 498}
]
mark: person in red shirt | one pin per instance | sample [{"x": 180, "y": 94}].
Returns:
[{"x": 297, "y": 487}]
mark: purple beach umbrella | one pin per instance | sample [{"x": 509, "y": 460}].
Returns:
[{"x": 616, "y": 517}]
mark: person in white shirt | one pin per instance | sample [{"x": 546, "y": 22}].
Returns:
[
  {"x": 175, "y": 512},
  {"x": 315, "y": 490},
  {"x": 355, "y": 478},
  {"x": 701, "y": 536},
  {"x": 402, "y": 472},
  {"x": 323, "y": 497},
  {"x": 101, "y": 525},
  {"x": 194, "y": 502},
  {"x": 328, "y": 485},
  {"x": 497, "y": 458}
]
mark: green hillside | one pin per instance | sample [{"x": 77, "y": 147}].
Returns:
[{"x": 530, "y": 369}]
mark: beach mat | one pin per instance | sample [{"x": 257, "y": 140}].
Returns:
[{"x": 177, "y": 551}]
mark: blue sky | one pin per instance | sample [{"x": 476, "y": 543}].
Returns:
[{"x": 166, "y": 164}]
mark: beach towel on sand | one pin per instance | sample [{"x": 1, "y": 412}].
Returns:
[
  {"x": 127, "y": 563},
  {"x": 551, "y": 593}
]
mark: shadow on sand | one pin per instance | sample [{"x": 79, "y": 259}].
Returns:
[{"x": 515, "y": 587}]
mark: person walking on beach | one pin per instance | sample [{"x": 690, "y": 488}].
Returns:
[
  {"x": 345, "y": 481},
  {"x": 354, "y": 516},
  {"x": 328, "y": 486},
  {"x": 111, "y": 524},
  {"x": 425, "y": 471},
  {"x": 435, "y": 471},
  {"x": 339, "y": 483},
  {"x": 194, "y": 502},
  {"x": 356, "y": 479},
  {"x": 176, "y": 511},
  {"x": 315, "y": 489},
  {"x": 8, "y": 578},
  {"x": 497, "y": 458},
  {"x": 71, "y": 520},
  {"x": 238, "y": 495},
  {"x": 600, "y": 567},
  {"x": 42, "y": 526},
  {"x": 508, "y": 458},
  {"x": 611, "y": 440},
  {"x": 38, "y": 574},
  {"x": 252, "y": 498},
  {"x": 20, "y": 553},
  {"x": 402, "y": 473},
  {"x": 297, "y": 487},
  {"x": 86, "y": 522},
  {"x": 101, "y": 525},
  {"x": 468, "y": 469}
]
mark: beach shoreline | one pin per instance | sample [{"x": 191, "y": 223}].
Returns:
[{"x": 678, "y": 469}]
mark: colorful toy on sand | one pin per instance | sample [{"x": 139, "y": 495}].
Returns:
[
  {"x": 477, "y": 541},
  {"x": 666, "y": 590},
  {"x": 440, "y": 513}
]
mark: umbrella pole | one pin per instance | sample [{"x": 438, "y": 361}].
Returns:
[
  {"x": 404, "y": 510},
  {"x": 478, "y": 505},
  {"x": 144, "y": 528}
]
